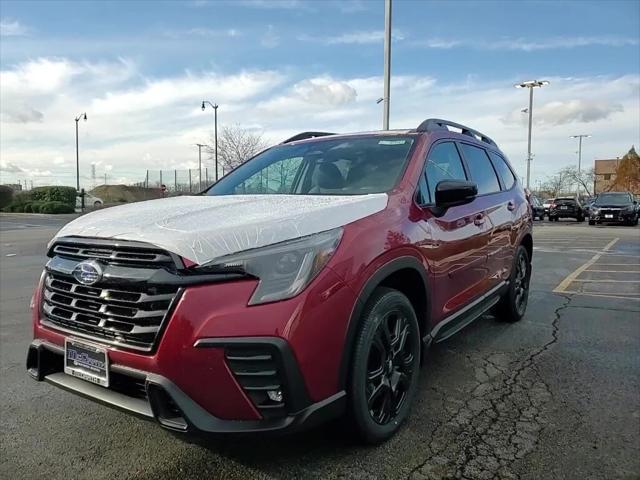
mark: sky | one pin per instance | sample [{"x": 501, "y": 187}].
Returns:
[{"x": 140, "y": 71}]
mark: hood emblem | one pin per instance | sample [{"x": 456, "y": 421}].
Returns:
[{"x": 88, "y": 272}]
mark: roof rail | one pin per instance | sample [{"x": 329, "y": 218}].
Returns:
[
  {"x": 437, "y": 124},
  {"x": 305, "y": 135}
]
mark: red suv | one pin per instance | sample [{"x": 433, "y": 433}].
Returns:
[{"x": 307, "y": 283}]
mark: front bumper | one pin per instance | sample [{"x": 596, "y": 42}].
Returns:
[
  {"x": 622, "y": 217},
  {"x": 155, "y": 397}
]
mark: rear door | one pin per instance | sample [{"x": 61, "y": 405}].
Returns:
[
  {"x": 458, "y": 251},
  {"x": 498, "y": 207}
]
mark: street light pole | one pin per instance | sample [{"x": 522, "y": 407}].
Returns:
[
  {"x": 200, "y": 145},
  {"x": 530, "y": 84},
  {"x": 81, "y": 116},
  {"x": 579, "y": 137},
  {"x": 215, "y": 129},
  {"x": 387, "y": 64}
]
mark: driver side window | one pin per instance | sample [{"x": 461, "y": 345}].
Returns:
[{"x": 443, "y": 163}]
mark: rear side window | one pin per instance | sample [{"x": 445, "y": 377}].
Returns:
[
  {"x": 480, "y": 168},
  {"x": 505, "y": 173},
  {"x": 443, "y": 163}
]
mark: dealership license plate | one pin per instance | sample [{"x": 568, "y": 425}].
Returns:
[
  {"x": 608, "y": 216},
  {"x": 86, "y": 361}
]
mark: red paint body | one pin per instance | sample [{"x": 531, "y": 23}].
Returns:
[{"x": 462, "y": 259}]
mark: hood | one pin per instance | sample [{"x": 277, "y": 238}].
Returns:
[{"x": 203, "y": 228}]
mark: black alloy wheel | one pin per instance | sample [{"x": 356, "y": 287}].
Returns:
[
  {"x": 513, "y": 304},
  {"x": 385, "y": 365}
]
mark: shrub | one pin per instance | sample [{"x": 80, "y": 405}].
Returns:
[
  {"x": 55, "y": 194},
  {"x": 16, "y": 207},
  {"x": 56, "y": 207},
  {"x": 6, "y": 196},
  {"x": 36, "y": 206},
  {"x": 27, "y": 208},
  {"x": 20, "y": 198}
]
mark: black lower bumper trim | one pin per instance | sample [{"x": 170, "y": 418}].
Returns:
[{"x": 167, "y": 403}]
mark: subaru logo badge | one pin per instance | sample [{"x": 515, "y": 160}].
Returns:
[{"x": 88, "y": 272}]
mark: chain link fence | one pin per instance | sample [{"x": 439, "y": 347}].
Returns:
[{"x": 177, "y": 182}]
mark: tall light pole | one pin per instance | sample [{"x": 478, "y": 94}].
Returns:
[
  {"x": 200, "y": 145},
  {"x": 579, "y": 137},
  {"x": 530, "y": 84},
  {"x": 78, "y": 118},
  {"x": 387, "y": 64},
  {"x": 215, "y": 129}
]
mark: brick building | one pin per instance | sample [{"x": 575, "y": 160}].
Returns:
[{"x": 605, "y": 174}]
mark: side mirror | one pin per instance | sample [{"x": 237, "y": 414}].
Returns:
[{"x": 450, "y": 193}]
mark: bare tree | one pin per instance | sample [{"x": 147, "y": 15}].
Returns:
[
  {"x": 584, "y": 178},
  {"x": 236, "y": 145},
  {"x": 556, "y": 184}
]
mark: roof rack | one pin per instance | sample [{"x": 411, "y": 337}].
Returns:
[
  {"x": 437, "y": 124},
  {"x": 305, "y": 135}
]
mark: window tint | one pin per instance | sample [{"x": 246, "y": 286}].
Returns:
[
  {"x": 340, "y": 166},
  {"x": 275, "y": 178},
  {"x": 443, "y": 163},
  {"x": 505, "y": 173},
  {"x": 480, "y": 168}
]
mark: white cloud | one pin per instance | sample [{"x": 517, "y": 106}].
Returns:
[
  {"x": 527, "y": 45},
  {"x": 353, "y": 38},
  {"x": 270, "y": 39},
  {"x": 137, "y": 123},
  {"x": 12, "y": 28}
]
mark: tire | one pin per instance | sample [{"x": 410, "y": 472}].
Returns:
[
  {"x": 592, "y": 222},
  {"x": 513, "y": 305},
  {"x": 383, "y": 355},
  {"x": 97, "y": 204}
]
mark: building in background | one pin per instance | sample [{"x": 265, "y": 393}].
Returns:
[{"x": 605, "y": 174}]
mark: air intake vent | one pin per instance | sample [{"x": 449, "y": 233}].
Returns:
[{"x": 256, "y": 370}]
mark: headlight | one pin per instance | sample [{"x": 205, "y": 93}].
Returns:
[{"x": 284, "y": 269}]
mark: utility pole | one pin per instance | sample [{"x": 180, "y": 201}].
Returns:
[
  {"x": 84, "y": 117},
  {"x": 215, "y": 129},
  {"x": 530, "y": 84},
  {"x": 200, "y": 145},
  {"x": 387, "y": 65},
  {"x": 579, "y": 137}
]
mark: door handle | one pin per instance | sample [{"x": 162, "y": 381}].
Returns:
[
  {"x": 479, "y": 219},
  {"x": 511, "y": 206}
]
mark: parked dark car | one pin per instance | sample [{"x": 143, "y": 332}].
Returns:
[
  {"x": 614, "y": 207},
  {"x": 566, "y": 207},
  {"x": 306, "y": 284},
  {"x": 537, "y": 207}
]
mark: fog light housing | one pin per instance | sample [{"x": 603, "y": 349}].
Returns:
[{"x": 275, "y": 395}]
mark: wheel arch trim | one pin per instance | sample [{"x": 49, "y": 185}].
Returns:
[{"x": 374, "y": 281}]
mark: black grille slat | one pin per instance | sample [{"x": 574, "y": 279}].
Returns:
[
  {"x": 257, "y": 371},
  {"x": 128, "y": 314}
]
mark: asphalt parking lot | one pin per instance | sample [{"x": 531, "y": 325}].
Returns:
[{"x": 556, "y": 395}]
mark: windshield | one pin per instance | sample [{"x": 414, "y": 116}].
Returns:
[
  {"x": 342, "y": 166},
  {"x": 613, "y": 199}
]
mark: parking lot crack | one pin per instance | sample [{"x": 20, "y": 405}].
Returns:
[{"x": 499, "y": 421}]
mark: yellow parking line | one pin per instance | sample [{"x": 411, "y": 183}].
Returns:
[
  {"x": 572, "y": 276},
  {"x": 614, "y": 271},
  {"x": 617, "y": 265},
  {"x": 621, "y": 295},
  {"x": 605, "y": 281}
]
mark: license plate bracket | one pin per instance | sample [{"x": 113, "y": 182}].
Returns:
[{"x": 86, "y": 361}]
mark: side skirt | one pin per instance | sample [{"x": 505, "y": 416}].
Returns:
[{"x": 463, "y": 317}]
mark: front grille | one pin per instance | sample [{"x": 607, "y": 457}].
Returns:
[
  {"x": 114, "y": 254},
  {"x": 129, "y": 316},
  {"x": 257, "y": 371}
]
